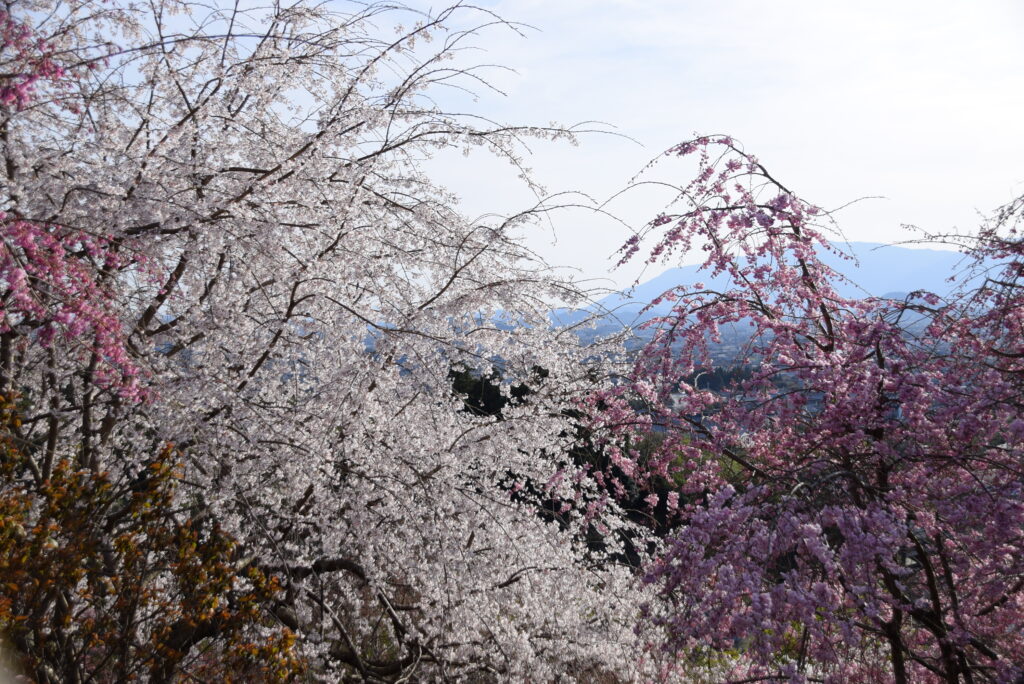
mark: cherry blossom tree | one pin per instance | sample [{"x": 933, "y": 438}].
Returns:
[
  {"x": 217, "y": 235},
  {"x": 850, "y": 507}
]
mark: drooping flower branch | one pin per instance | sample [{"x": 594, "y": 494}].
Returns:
[
  {"x": 850, "y": 507},
  {"x": 52, "y": 291}
]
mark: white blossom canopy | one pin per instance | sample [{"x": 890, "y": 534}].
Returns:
[{"x": 302, "y": 295}]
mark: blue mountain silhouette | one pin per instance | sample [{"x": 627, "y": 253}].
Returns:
[{"x": 876, "y": 270}]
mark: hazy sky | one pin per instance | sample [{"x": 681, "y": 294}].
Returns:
[{"x": 919, "y": 102}]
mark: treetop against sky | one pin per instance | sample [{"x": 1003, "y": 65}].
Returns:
[{"x": 915, "y": 103}]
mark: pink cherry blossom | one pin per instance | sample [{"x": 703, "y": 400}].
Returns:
[{"x": 851, "y": 511}]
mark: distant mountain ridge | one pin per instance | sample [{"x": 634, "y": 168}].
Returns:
[{"x": 877, "y": 270}]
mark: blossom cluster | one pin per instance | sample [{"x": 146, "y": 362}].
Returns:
[
  {"x": 851, "y": 505},
  {"x": 52, "y": 290},
  {"x": 27, "y": 59}
]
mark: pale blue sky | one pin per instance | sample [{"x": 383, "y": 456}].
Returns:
[{"x": 917, "y": 101}]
